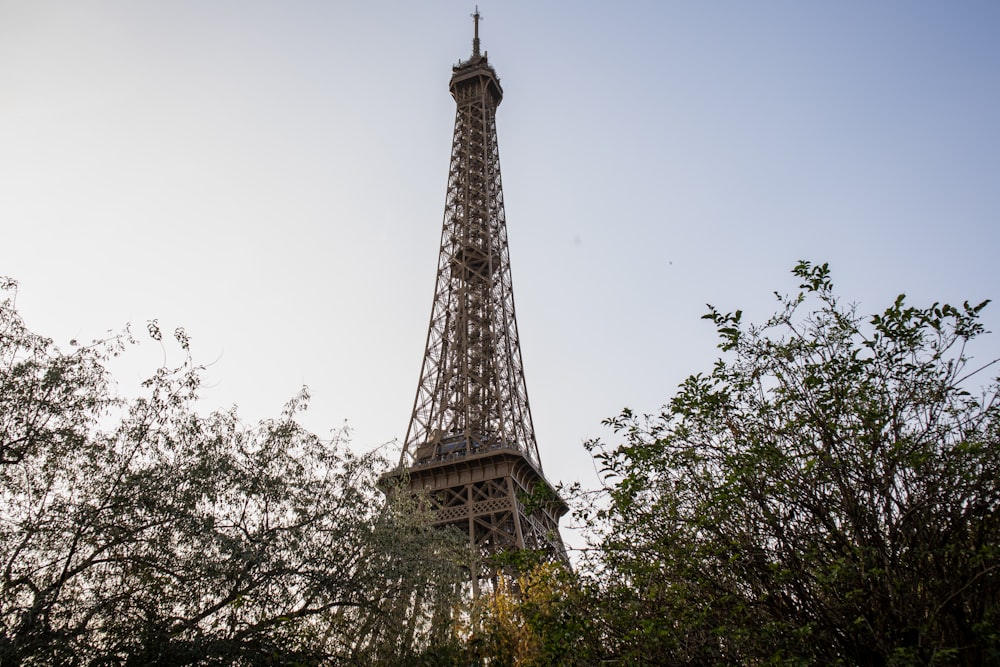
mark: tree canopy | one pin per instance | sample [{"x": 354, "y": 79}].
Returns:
[
  {"x": 827, "y": 493},
  {"x": 137, "y": 531}
]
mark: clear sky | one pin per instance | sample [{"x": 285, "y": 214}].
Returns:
[{"x": 271, "y": 176}]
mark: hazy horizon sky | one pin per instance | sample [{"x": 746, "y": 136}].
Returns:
[{"x": 271, "y": 177}]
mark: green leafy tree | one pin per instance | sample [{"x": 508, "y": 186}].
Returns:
[
  {"x": 537, "y": 616},
  {"x": 828, "y": 494},
  {"x": 139, "y": 531}
]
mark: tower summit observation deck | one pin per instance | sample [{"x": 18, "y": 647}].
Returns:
[{"x": 470, "y": 446}]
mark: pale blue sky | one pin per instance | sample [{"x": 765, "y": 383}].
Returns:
[{"x": 271, "y": 176}]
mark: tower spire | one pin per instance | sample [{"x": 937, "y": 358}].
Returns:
[
  {"x": 475, "y": 38},
  {"x": 470, "y": 448}
]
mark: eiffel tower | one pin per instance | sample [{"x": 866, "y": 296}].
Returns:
[{"x": 470, "y": 447}]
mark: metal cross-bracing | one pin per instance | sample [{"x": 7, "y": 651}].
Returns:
[
  {"x": 471, "y": 392},
  {"x": 470, "y": 446}
]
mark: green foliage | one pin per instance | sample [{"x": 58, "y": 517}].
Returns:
[
  {"x": 141, "y": 532},
  {"x": 536, "y": 618},
  {"x": 828, "y": 493}
]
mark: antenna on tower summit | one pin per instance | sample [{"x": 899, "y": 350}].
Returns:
[{"x": 475, "y": 39}]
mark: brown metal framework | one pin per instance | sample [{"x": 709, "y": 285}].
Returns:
[{"x": 470, "y": 446}]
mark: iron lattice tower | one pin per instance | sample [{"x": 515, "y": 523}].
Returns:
[{"x": 470, "y": 446}]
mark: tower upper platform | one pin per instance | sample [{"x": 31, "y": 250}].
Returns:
[{"x": 476, "y": 72}]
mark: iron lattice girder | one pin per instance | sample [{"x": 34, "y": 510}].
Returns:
[
  {"x": 497, "y": 496},
  {"x": 470, "y": 446},
  {"x": 472, "y": 380}
]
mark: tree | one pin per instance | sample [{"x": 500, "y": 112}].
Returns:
[
  {"x": 538, "y": 616},
  {"x": 828, "y": 493},
  {"x": 141, "y": 532}
]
